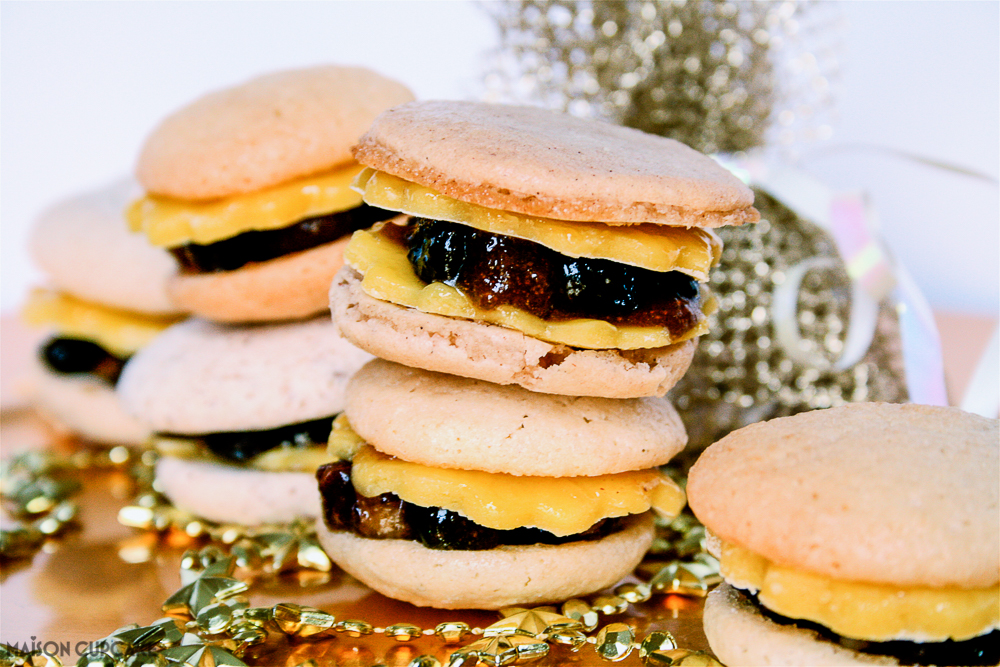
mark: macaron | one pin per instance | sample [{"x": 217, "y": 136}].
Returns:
[
  {"x": 534, "y": 248},
  {"x": 453, "y": 492},
  {"x": 241, "y": 414},
  {"x": 106, "y": 298},
  {"x": 248, "y": 187},
  {"x": 862, "y": 534}
]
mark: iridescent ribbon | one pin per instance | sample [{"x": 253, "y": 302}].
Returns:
[{"x": 851, "y": 220}]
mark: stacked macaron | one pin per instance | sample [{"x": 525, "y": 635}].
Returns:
[
  {"x": 249, "y": 189},
  {"x": 865, "y": 534},
  {"x": 541, "y": 288},
  {"x": 106, "y": 299}
]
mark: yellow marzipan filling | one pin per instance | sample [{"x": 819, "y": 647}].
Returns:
[
  {"x": 120, "y": 332},
  {"x": 863, "y": 610},
  {"x": 560, "y": 505},
  {"x": 279, "y": 459},
  {"x": 172, "y": 222},
  {"x": 656, "y": 247},
  {"x": 389, "y": 276}
]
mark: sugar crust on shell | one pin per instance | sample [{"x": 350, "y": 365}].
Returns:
[
  {"x": 873, "y": 492},
  {"x": 446, "y": 421},
  {"x": 544, "y": 163},
  {"x": 496, "y": 354},
  {"x": 230, "y": 494},
  {"x": 85, "y": 248},
  {"x": 493, "y": 578},
  {"x": 743, "y": 637},
  {"x": 85, "y": 405},
  {"x": 198, "y": 377},
  {"x": 289, "y": 287},
  {"x": 266, "y": 131}
]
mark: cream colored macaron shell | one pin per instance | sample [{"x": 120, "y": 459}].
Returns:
[
  {"x": 493, "y": 578},
  {"x": 269, "y": 130},
  {"x": 85, "y": 405},
  {"x": 542, "y": 163},
  {"x": 743, "y": 637},
  {"x": 498, "y": 354},
  {"x": 452, "y": 422},
  {"x": 199, "y": 377},
  {"x": 897, "y": 494},
  {"x": 233, "y": 494},
  {"x": 85, "y": 248}
]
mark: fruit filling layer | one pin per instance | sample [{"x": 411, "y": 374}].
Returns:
[
  {"x": 981, "y": 650},
  {"x": 863, "y": 610},
  {"x": 260, "y": 246},
  {"x": 386, "y": 516},
  {"x": 381, "y": 256},
  {"x": 292, "y": 447},
  {"x": 495, "y": 270},
  {"x": 73, "y": 356}
]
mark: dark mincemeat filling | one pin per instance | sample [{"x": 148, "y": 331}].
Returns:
[
  {"x": 388, "y": 517},
  {"x": 260, "y": 246},
  {"x": 241, "y": 446},
  {"x": 71, "y": 356},
  {"x": 495, "y": 270},
  {"x": 982, "y": 650}
]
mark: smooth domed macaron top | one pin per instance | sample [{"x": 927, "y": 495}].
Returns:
[
  {"x": 872, "y": 492},
  {"x": 544, "y": 163},
  {"x": 452, "y": 422},
  {"x": 198, "y": 377},
  {"x": 269, "y": 130},
  {"x": 85, "y": 248}
]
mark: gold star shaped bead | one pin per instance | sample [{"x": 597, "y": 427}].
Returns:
[
  {"x": 531, "y": 623},
  {"x": 194, "y": 652},
  {"x": 203, "y": 591},
  {"x": 505, "y": 650},
  {"x": 678, "y": 579},
  {"x": 132, "y": 638}
]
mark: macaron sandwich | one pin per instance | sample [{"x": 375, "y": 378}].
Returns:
[
  {"x": 857, "y": 535},
  {"x": 534, "y": 248},
  {"x": 105, "y": 299},
  {"x": 452, "y": 492},
  {"x": 241, "y": 414},
  {"x": 249, "y": 188}
]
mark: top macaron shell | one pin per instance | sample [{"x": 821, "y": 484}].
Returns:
[
  {"x": 897, "y": 494},
  {"x": 85, "y": 248},
  {"x": 269, "y": 130},
  {"x": 447, "y": 421},
  {"x": 198, "y": 377},
  {"x": 537, "y": 162}
]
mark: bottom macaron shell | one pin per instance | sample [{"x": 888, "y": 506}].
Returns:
[
  {"x": 741, "y": 636},
  {"x": 86, "y": 406},
  {"x": 290, "y": 287},
  {"x": 227, "y": 494},
  {"x": 489, "y": 579},
  {"x": 497, "y": 354}
]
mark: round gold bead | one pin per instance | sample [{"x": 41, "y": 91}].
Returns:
[
  {"x": 580, "y": 610},
  {"x": 633, "y": 593},
  {"x": 403, "y": 632},
  {"x": 615, "y": 641},
  {"x": 354, "y": 628},
  {"x": 610, "y": 604},
  {"x": 452, "y": 632}
]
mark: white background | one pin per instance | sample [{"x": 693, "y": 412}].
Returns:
[{"x": 82, "y": 83}]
